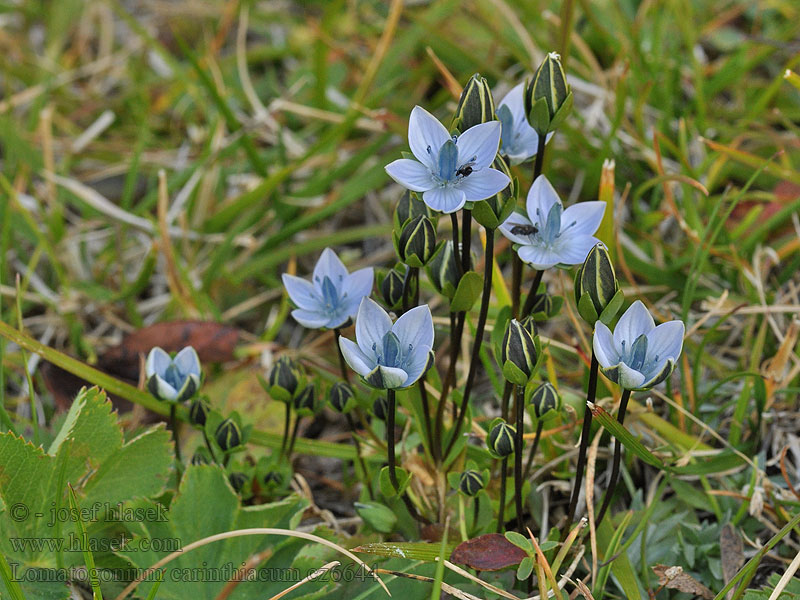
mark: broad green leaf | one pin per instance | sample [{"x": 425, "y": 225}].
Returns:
[{"x": 468, "y": 291}]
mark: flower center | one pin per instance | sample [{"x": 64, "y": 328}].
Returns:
[
  {"x": 330, "y": 293},
  {"x": 173, "y": 376},
  {"x": 449, "y": 169},
  {"x": 637, "y": 355},
  {"x": 550, "y": 228},
  {"x": 391, "y": 353}
]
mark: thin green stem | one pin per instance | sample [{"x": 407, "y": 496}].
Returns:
[
  {"x": 337, "y": 333},
  {"x": 293, "y": 438},
  {"x": 537, "y": 279},
  {"x": 466, "y": 240},
  {"x": 209, "y": 446},
  {"x": 173, "y": 425},
  {"x": 502, "y": 508},
  {"x": 456, "y": 245},
  {"x": 533, "y": 449},
  {"x": 539, "y": 162},
  {"x": 390, "y": 442},
  {"x": 476, "y": 346},
  {"x": 428, "y": 426},
  {"x": 612, "y": 482},
  {"x": 585, "y": 433},
  {"x": 286, "y": 421},
  {"x": 359, "y": 457},
  {"x": 518, "y": 448},
  {"x": 456, "y": 327}
]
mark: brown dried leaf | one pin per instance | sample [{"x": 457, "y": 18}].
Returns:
[
  {"x": 489, "y": 552},
  {"x": 675, "y": 579}
]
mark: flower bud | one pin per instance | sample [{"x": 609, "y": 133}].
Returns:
[
  {"x": 198, "y": 411},
  {"x": 475, "y": 106},
  {"x": 470, "y": 483},
  {"x": 545, "y": 401},
  {"x": 501, "y": 439},
  {"x": 228, "y": 435},
  {"x": 417, "y": 242},
  {"x": 409, "y": 207},
  {"x": 443, "y": 270},
  {"x": 392, "y": 289},
  {"x": 273, "y": 479},
  {"x": 200, "y": 457},
  {"x": 545, "y": 306},
  {"x": 597, "y": 292},
  {"x": 493, "y": 211},
  {"x": 341, "y": 397},
  {"x": 548, "y": 98},
  {"x": 305, "y": 403},
  {"x": 284, "y": 377},
  {"x": 237, "y": 480},
  {"x": 380, "y": 408},
  {"x": 518, "y": 353}
]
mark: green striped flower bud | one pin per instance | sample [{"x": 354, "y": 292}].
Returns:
[
  {"x": 470, "y": 483},
  {"x": 597, "y": 292},
  {"x": 416, "y": 244},
  {"x": 500, "y": 440},
  {"x": 517, "y": 353},
  {"x": 493, "y": 211},
  {"x": 238, "y": 480},
  {"x": 305, "y": 403},
  {"x": 545, "y": 401},
  {"x": 475, "y": 106},
  {"x": 443, "y": 270},
  {"x": 392, "y": 289},
  {"x": 409, "y": 207},
  {"x": 548, "y": 98},
  {"x": 341, "y": 397},
  {"x": 228, "y": 435},
  {"x": 198, "y": 411},
  {"x": 201, "y": 457},
  {"x": 284, "y": 378}
]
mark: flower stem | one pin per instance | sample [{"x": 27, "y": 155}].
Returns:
[
  {"x": 426, "y": 409},
  {"x": 532, "y": 452},
  {"x": 466, "y": 240},
  {"x": 210, "y": 448},
  {"x": 586, "y": 432},
  {"x": 476, "y": 346},
  {"x": 294, "y": 437},
  {"x": 612, "y": 482},
  {"x": 337, "y": 333},
  {"x": 173, "y": 425},
  {"x": 502, "y": 508},
  {"x": 539, "y": 162},
  {"x": 286, "y": 428},
  {"x": 504, "y": 402},
  {"x": 516, "y": 283},
  {"x": 359, "y": 457},
  {"x": 537, "y": 279},
  {"x": 518, "y": 447},
  {"x": 456, "y": 327},
  {"x": 456, "y": 253},
  {"x": 408, "y": 280}
]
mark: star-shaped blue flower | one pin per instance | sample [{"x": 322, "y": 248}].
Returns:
[
  {"x": 390, "y": 355},
  {"x": 332, "y": 298},
  {"x": 450, "y": 170},
  {"x": 551, "y": 235},
  {"x": 638, "y": 355},
  {"x": 519, "y": 141}
]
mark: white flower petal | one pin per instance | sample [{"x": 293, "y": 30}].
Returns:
[
  {"x": 541, "y": 198},
  {"x": 515, "y": 101},
  {"x": 479, "y": 144},
  {"x": 514, "y": 219},
  {"x": 311, "y": 319},
  {"x": 666, "y": 341},
  {"x": 301, "y": 292},
  {"x": 386, "y": 377},
  {"x": 411, "y": 174},
  {"x": 629, "y": 379},
  {"x": 603, "y": 345},
  {"x": 538, "y": 256},
  {"x": 573, "y": 249},
  {"x": 445, "y": 199},
  {"x": 358, "y": 361},
  {"x": 415, "y": 328},
  {"x": 329, "y": 264},
  {"x": 658, "y": 374},
  {"x": 358, "y": 284},
  {"x": 483, "y": 184},
  {"x": 161, "y": 389},
  {"x": 585, "y": 215},
  {"x": 633, "y": 323},
  {"x": 188, "y": 362},
  {"x": 425, "y": 131},
  {"x": 157, "y": 362},
  {"x": 416, "y": 366},
  {"x": 372, "y": 323}
]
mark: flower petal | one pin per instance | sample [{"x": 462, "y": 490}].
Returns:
[
  {"x": 586, "y": 217},
  {"x": 386, "y": 377},
  {"x": 445, "y": 199},
  {"x": 301, "y": 292},
  {"x": 161, "y": 389},
  {"x": 329, "y": 264},
  {"x": 188, "y": 362},
  {"x": 603, "y": 345},
  {"x": 658, "y": 376},
  {"x": 358, "y": 361},
  {"x": 425, "y": 131},
  {"x": 629, "y": 379},
  {"x": 666, "y": 340},
  {"x": 483, "y": 184},
  {"x": 189, "y": 388},
  {"x": 415, "y": 328},
  {"x": 419, "y": 363},
  {"x": 573, "y": 249},
  {"x": 633, "y": 323},
  {"x": 538, "y": 256},
  {"x": 311, "y": 319},
  {"x": 515, "y": 101},
  {"x": 513, "y": 220},
  {"x": 372, "y": 323},
  {"x": 478, "y": 145},
  {"x": 358, "y": 284},
  {"x": 541, "y": 198},
  {"x": 157, "y": 362},
  {"x": 411, "y": 174}
]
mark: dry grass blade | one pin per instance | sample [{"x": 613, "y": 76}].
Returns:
[
  {"x": 453, "y": 591},
  {"x": 786, "y": 578},
  {"x": 321, "y": 571}
]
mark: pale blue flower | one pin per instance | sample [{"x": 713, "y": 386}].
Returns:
[
  {"x": 519, "y": 141},
  {"x": 390, "y": 355},
  {"x": 638, "y": 355},
  {"x": 173, "y": 379},
  {"x": 551, "y": 235},
  {"x": 331, "y": 299},
  {"x": 450, "y": 170}
]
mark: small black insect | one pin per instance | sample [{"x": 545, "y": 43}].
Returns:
[
  {"x": 464, "y": 171},
  {"x": 524, "y": 229}
]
